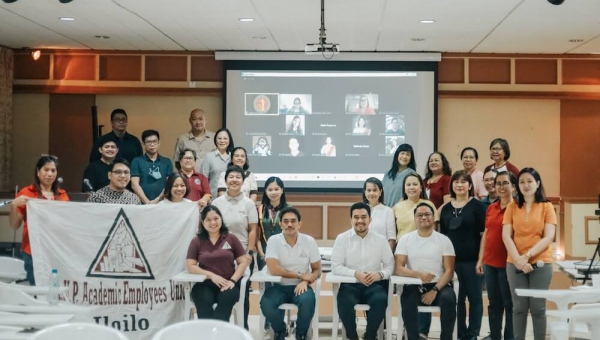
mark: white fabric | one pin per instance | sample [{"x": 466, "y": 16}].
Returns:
[
  {"x": 295, "y": 259},
  {"x": 238, "y": 213},
  {"x": 353, "y": 253},
  {"x": 117, "y": 259},
  {"x": 382, "y": 222},
  {"x": 166, "y": 201},
  {"x": 248, "y": 185},
  {"x": 425, "y": 254}
]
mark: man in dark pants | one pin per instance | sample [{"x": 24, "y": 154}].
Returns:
[
  {"x": 362, "y": 254},
  {"x": 429, "y": 256}
]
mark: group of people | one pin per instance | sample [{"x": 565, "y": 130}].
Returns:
[{"x": 491, "y": 225}]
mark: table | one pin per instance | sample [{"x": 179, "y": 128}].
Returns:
[
  {"x": 570, "y": 268},
  {"x": 188, "y": 279},
  {"x": 562, "y": 297},
  {"x": 336, "y": 281},
  {"x": 590, "y": 316}
]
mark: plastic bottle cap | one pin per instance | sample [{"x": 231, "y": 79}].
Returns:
[{"x": 54, "y": 271}]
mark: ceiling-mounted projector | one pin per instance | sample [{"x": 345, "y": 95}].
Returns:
[{"x": 322, "y": 48}]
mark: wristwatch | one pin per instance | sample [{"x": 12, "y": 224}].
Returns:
[
  {"x": 299, "y": 275},
  {"x": 435, "y": 289},
  {"x": 250, "y": 252}
]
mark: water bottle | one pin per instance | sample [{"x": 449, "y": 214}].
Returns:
[{"x": 53, "y": 289}]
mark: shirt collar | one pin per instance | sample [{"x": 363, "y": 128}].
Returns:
[
  {"x": 236, "y": 198},
  {"x": 353, "y": 233},
  {"x": 191, "y": 135}
]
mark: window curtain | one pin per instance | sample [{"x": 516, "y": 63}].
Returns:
[{"x": 6, "y": 107}]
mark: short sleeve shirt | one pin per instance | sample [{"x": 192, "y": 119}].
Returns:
[
  {"x": 438, "y": 190},
  {"x": 152, "y": 174},
  {"x": 495, "y": 253},
  {"x": 198, "y": 184},
  {"x": 219, "y": 257},
  {"x": 295, "y": 259},
  {"x": 425, "y": 253},
  {"x": 404, "y": 212},
  {"x": 238, "y": 213},
  {"x": 201, "y": 146},
  {"x": 249, "y": 187}
]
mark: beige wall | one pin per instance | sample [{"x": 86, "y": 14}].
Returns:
[
  {"x": 166, "y": 114},
  {"x": 576, "y": 244},
  {"x": 531, "y": 126}
]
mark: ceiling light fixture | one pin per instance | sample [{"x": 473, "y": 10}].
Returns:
[
  {"x": 9, "y": 1},
  {"x": 66, "y": 19},
  {"x": 64, "y": 1},
  {"x": 102, "y": 37},
  {"x": 417, "y": 39},
  {"x": 575, "y": 40},
  {"x": 427, "y": 21},
  {"x": 246, "y": 19},
  {"x": 259, "y": 37},
  {"x": 36, "y": 54},
  {"x": 556, "y": 2},
  {"x": 322, "y": 46}
]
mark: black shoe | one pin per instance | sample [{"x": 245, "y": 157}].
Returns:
[
  {"x": 489, "y": 337},
  {"x": 279, "y": 336},
  {"x": 301, "y": 337}
]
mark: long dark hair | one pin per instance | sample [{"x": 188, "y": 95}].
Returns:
[
  {"x": 231, "y": 145},
  {"x": 266, "y": 202},
  {"x": 396, "y": 165},
  {"x": 203, "y": 234},
  {"x": 540, "y": 193},
  {"x": 45, "y": 159},
  {"x": 446, "y": 170},
  {"x": 423, "y": 195},
  {"x": 246, "y": 164},
  {"x": 378, "y": 183},
  {"x": 169, "y": 185}
]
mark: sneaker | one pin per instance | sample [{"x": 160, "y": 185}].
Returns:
[{"x": 267, "y": 335}]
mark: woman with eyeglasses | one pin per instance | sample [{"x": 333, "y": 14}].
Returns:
[
  {"x": 249, "y": 188},
  {"x": 492, "y": 259},
  {"x": 45, "y": 186},
  {"x": 500, "y": 153},
  {"x": 216, "y": 162},
  {"x": 463, "y": 221},
  {"x": 198, "y": 189},
  {"x": 528, "y": 230},
  {"x": 469, "y": 158},
  {"x": 437, "y": 179}
]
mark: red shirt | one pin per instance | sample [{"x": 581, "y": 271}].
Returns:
[
  {"x": 438, "y": 190},
  {"x": 217, "y": 258},
  {"x": 198, "y": 184},
  {"x": 495, "y": 252},
  {"x": 32, "y": 191}
]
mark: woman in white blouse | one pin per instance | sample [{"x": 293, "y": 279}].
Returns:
[
  {"x": 382, "y": 217},
  {"x": 239, "y": 157}
]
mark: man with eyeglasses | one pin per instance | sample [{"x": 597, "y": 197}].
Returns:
[
  {"x": 129, "y": 145},
  {"x": 95, "y": 175},
  {"x": 429, "y": 256},
  {"x": 198, "y": 139},
  {"x": 116, "y": 191},
  {"x": 149, "y": 172}
]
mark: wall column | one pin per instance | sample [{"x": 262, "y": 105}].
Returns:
[{"x": 6, "y": 113}]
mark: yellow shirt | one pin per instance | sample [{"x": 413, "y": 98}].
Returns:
[
  {"x": 528, "y": 229},
  {"x": 404, "y": 211}
]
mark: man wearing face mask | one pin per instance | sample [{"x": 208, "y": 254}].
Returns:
[
  {"x": 149, "y": 172},
  {"x": 367, "y": 257}
]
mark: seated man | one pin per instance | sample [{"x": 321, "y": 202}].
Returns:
[
  {"x": 366, "y": 256},
  {"x": 289, "y": 255},
  {"x": 429, "y": 256},
  {"x": 116, "y": 191}
]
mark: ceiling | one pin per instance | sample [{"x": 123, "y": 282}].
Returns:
[{"x": 475, "y": 26}]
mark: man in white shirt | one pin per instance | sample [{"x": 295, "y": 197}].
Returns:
[
  {"x": 290, "y": 255},
  {"x": 367, "y": 257},
  {"x": 429, "y": 256}
]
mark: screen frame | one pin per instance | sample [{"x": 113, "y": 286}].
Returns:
[{"x": 331, "y": 65}]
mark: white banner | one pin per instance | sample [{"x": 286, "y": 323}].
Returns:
[{"x": 118, "y": 259}]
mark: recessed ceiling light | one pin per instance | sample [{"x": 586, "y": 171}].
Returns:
[
  {"x": 418, "y": 39},
  {"x": 67, "y": 19},
  {"x": 246, "y": 19},
  {"x": 575, "y": 40},
  {"x": 259, "y": 37},
  {"x": 102, "y": 37},
  {"x": 427, "y": 21}
]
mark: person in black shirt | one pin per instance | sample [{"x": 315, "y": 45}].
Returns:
[
  {"x": 463, "y": 221},
  {"x": 129, "y": 145},
  {"x": 95, "y": 175}
]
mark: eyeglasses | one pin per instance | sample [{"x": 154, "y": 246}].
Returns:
[
  {"x": 120, "y": 120},
  {"x": 503, "y": 184},
  {"x": 151, "y": 142},
  {"x": 188, "y": 158},
  {"x": 426, "y": 215},
  {"x": 121, "y": 172},
  {"x": 497, "y": 149}
]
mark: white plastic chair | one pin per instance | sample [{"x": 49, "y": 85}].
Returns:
[
  {"x": 388, "y": 314},
  {"x": 77, "y": 331},
  {"x": 580, "y": 330},
  {"x": 12, "y": 269},
  {"x": 313, "y": 332},
  {"x": 203, "y": 329}
]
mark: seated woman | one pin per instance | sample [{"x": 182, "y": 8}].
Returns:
[
  {"x": 176, "y": 189},
  {"x": 209, "y": 255}
]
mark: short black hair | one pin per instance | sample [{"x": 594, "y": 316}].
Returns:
[
  {"x": 467, "y": 149},
  {"x": 171, "y": 181},
  {"x": 182, "y": 153},
  {"x": 203, "y": 234},
  {"x": 290, "y": 209},
  {"x": 234, "y": 168},
  {"x": 117, "y": 112},
  {"x": 148, "y": 133},
  {"x": 246, "y": 164},
  {"x": 360, "y": 205},
  {"x": 107, "y": 139},
  {"x": 118, "y": 161},
  {"x": 375, "y": 181},
  {"x": 423, "y": 204}
]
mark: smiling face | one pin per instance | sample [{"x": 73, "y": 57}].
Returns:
[
  {"x": 360, "y": 221},
  {"x": 424, "y": 217},
  {"x": 404, "y": 158},
  {"x": 528, "y": 185},
  {"x": 212, "y": 222},
  {"x": 188, "y": 161},
  {"x": 239, "y": 158},
  {"x": 461, "y": 187},
  {"x": 361, "y": 122},
  {"x": 222, "y": 141},
  {"x": 504, "y": 188},
  {"x": 372, "y": 193},
  {"x": 178, "y": 190},
  {"x": 412, "y": 188},
  {"x": 497, "y": 153},
  {"x": 47, "y": 174},
  {"x": 274, "y": 192},
  {"x": 290, "y": 225},
  {"x": 119, "y": 177},
  {"x": 468, "y": 160},
  {"x": 435, "y": 163},
  {"x": 234, "y": 181},
  {"x": 488, "y": 182},
  {"x": 109, "y": 151}
]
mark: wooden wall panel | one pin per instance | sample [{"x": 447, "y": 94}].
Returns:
[
  {"x": 123, "y": 68},
  {"x": 27, "y": 68},
  {"x": 580, "y": 72},
  {"x": 74, "y": 67},
  {"x": 338, "y": 221},
  {"x": 536, "y": 71},
  {"x": 489, "y": 71},
  {"x": 206, "y": 69},
  {"x": 71, "y": 120},
  {"x": 451, "y": 71},
  {"x": 312, "y": 220},
  {"x": 166, "y": 68},
  {"x": 579, "y": 141}
]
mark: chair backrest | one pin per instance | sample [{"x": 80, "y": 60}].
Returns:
[
  {"x": 205, "y": 329},
  {"x": 11, "y": 269},
  {"x": 77, "y": 331},
  {"x": 13, "y": 296}
]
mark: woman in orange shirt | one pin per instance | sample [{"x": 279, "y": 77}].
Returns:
[
  {"x": 45, "y": 186},
  {"x": 528, "y": 229}
]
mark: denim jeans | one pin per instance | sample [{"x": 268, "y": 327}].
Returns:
[
  {"x": 351, "y": 294},
  {"x": 28, "y": 267},
  {"x": 470, "y": 287},
  {"x": 500, "y": 302},
  {"x": 279, "y": 294}
]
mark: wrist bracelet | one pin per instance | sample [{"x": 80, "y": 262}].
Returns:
[{"x": 233, "y": 280}]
